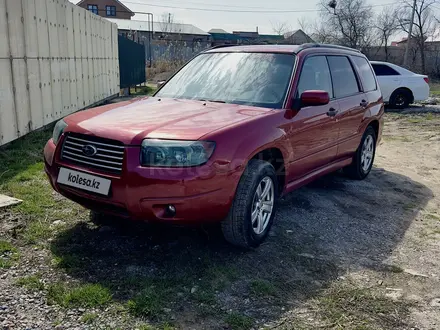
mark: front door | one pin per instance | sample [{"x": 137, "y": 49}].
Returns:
[{"x": 313, "y": 132}]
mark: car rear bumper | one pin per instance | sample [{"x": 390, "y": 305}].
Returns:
[
  {"x": 202, "y": 194},
  {"x": 421, "y": 93}
]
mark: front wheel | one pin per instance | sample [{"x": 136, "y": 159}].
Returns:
[
  {"x": 364, "y": 157},
  {"x": 253, "y": 209}
]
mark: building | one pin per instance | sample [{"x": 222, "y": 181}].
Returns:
[
  {"x": 298, "y": 37},
  {"x": 107, "y": 8},
  {"x": 140, "y": 31}
]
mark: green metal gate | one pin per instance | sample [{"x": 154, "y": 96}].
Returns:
[{"x": 131, "y": 62}]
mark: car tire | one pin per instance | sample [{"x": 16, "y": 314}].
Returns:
[
  {"x": 101, "y": 219},
  {"x": 366, "y": 151},
  {"x": 400, "y": 99},
  {"x": 253, "y": 209}
]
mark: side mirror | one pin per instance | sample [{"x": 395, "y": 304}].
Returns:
[{"x": 314, "y": 98}]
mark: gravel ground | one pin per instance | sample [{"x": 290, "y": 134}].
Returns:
[{"x": 342, "y": 255}]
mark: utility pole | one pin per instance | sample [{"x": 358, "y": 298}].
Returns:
[{"x": 405, "y": 58}]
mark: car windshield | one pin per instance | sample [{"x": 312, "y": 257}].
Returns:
[{"x": 257, "y": 79}]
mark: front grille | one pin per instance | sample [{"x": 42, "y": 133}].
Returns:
[{"x": 109, "y": 153}]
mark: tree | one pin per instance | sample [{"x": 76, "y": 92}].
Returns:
[
  {"x": 305, "y": 24},
  {"x": 348, "y": 22},
  {"x": 387, "y": 24},
  {"x": 280, "y": 28},
  {"x": 425, "y": 24}
]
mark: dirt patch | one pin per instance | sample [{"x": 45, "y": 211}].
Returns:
[{"x": 342, "y": 255}]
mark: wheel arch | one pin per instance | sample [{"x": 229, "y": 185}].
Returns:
[
  {"x": 274, "y": 156},
  {"x": 375, "y": 124},
  {"x": 405, "y": 89}
]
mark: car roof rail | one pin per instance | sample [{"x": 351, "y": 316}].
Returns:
[
  {"x": 221, "y": 46},
  {"x": 314, "y": 45}
]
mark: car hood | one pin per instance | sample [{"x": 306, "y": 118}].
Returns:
[{"x": 133, "y": 121}]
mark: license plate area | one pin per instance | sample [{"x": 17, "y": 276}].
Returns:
[{"x": 84, "y": 181}]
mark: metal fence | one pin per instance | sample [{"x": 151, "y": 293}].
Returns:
[
  {"x": 55, "y": 58},
  {"x": 174, "y": 50},
  {"x": 131, "y": 62}
]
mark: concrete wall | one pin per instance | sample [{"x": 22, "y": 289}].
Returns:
[
  {"x": 121, "y": 11},
  {"x": 55, "y": 58}
]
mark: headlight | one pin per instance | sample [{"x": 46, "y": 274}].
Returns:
[
  {"x": 58, "y": 130},
  {"x": 172, "y": 153}
]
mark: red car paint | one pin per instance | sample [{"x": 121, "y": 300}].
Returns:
[{"x": 311, "y": 144}]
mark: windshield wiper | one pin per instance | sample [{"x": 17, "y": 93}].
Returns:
[{"x": 216, "y": 101}]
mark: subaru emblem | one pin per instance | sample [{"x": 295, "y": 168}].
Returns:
[{"x": 89, "y": 150}]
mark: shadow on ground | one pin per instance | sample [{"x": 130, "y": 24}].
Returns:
[{"x": 320, "y": 231}]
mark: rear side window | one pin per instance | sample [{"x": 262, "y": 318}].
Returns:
[
  {"x": 343, "y": 77},
  {"x": 315, "y": 75},
  {"x": 367, "y": 76},
  {"x": 384, "y": 70}
]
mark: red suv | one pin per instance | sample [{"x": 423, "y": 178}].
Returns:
[{"x": 225, "y": 137}]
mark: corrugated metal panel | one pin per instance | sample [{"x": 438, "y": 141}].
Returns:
[
  {"x": 126, "y": 24},
  {"x": 55, "y": 58}
]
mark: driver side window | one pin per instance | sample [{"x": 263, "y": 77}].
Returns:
[{"x": 315, "y": 75}]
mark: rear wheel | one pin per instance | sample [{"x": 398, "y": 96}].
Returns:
[
  {"x": 253, "y": 210},
  {"x": 400, "y": 99},
  {"x": 364, "y": 157}
]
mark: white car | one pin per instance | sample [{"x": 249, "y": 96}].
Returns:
[{"x": 399, "y": 86}]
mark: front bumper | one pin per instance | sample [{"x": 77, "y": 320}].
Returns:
[{"x": 199, "y": 194}]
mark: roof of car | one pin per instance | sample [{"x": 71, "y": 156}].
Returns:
[
  {"x": 380, "y": 62},
  {"x": 288, "y": 49}
]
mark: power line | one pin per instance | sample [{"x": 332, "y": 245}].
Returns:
[
  {"x": 244, "y": 11},
  {"x": 217, "y": 5}
]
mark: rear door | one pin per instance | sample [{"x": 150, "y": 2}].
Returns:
[
  {"x": 352, "y": 103},
  {"x": 388, "y": 78},
  {"x": 312, "y": 132}
]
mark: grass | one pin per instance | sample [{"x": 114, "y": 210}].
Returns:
[
  {"x": 87, "y": 295},
  {"x": 8, "y": 254},
  {"x": 432, "y": 216},
  {"x": 410, "y": 206},
  {"x": 396, "y": 138},
  {"x": 205, "y": 297},
  {"x": 263, "y": 288},
  {"x": 415, "y": 120},
  {"x": 394, "y": 269},
  {"x": 33, "y": 283},
  {"x": 68, "y": 262},
  {"x": 238, "y": 321},
  {"x": 151, "y": 300},
  {"x": 143, "y": 90},
  {"x": 345, "y": 307},
  {"x": 24, "y": 178},
  {"x": 435, "y": 89},
  {"x": 89, "y": 317}
]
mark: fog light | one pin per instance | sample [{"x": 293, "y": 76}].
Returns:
[{"x": 170, "y": 210}]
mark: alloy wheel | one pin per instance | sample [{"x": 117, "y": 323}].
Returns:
[
  {"x": 262, "y": 205},
  {"x": 367, "y": 153}
]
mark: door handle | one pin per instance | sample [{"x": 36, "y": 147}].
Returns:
[
  {"x": 364, "y": 103},
  {"x": 332, "y": 112}
]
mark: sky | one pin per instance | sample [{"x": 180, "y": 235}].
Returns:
[{"x": 220, "y": 13}]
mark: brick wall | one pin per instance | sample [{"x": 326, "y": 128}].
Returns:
[{"x": 121, "y": 12}]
